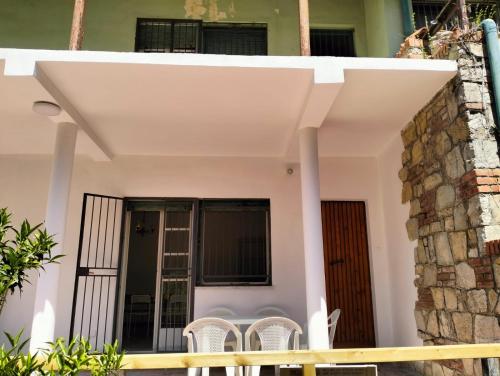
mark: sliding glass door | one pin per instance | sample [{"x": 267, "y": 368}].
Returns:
[{"x": 156, "y": 284}]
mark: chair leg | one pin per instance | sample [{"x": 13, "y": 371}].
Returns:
[
  {"x": 252, "y": 371},
  {"x": 205, "y": 371}
]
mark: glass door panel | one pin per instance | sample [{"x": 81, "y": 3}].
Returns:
[
  {"x": 175, "y": 277},
  {"x": 141, "y": 281}
]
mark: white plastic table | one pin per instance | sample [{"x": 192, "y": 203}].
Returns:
[{"x": 242, "y": 319}]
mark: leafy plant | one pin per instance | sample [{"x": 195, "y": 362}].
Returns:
[
  {"x": 480, "y": 12},
  {"x": 21, "y": 250},
  {"x": 109, "y": 362},
  {"x": 69, "y": 360},
  {"x": 14, "y": 362}
]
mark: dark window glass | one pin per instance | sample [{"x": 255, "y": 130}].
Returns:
[
  {"x": 234, "y": 242},
  {"x": 234, "y": 39},
  {"x": 326, "y": 42},
  {"x": 167, "y": 36},
  {"x": 185, "y": 36}
]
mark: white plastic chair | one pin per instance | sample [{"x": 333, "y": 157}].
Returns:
[
  {"x": 208, "y": 335},
  {"x": 274, "y": 335},
  {"x": 271, "y": 311},
  {"x": 332, "y": 325},
  {"x": 225, "y": 312}
]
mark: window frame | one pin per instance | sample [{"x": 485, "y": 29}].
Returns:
[
  {"x": 202, "y": 26},
  {"x": 232, "y": 204},
  {"x": 350, "y": 31}
]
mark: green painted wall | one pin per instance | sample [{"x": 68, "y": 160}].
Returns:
[
  {"x": 110, "y": 24},
  {"x": 384, "y": 27}
]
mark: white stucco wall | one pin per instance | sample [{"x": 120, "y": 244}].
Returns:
[
  {"x": 399, "y": 248},
  {"x": 24, "y": 190}
]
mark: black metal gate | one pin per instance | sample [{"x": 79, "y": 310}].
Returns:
[{"x": 97, "y": 270}]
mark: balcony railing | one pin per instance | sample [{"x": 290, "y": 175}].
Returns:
[{"x": 424, "y": 11}]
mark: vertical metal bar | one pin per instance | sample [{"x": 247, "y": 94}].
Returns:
[
  {"x": 107, "y": 309},
  {"x": 80, "y": 246},
  {"x": 98, "y": 233},
  {"x": 119, "y": 266},
  {"x": 105, "y": 234}
]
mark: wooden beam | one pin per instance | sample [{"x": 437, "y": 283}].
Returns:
[
  {"x": 303, "y": 357},
  {"x": 463, "y": 15},
  {"x": 77, "y": 27},
  {"x": 305, "y": 41}
]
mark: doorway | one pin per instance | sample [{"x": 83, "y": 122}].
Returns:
[
  {"x": 347, "y": 272},
  {"x": 155, "y": 299}
]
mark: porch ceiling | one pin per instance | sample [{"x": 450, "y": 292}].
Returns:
[{"x": 207, "y": 105}]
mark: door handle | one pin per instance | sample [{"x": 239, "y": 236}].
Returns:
[{"x": 337, "y": 262}]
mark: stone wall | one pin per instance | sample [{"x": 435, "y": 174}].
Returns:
[{"x": 451, "y": 178}]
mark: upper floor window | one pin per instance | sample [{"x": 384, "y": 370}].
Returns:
[
  {"x": 330, "y": 42},
  {"x": 191, "y": 36},
  {"x": 234, "y": 242}
]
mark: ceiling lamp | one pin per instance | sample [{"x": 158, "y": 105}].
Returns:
[{"x": 46, "y": 108}]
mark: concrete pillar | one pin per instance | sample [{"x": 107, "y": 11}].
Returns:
[
  {"x": 44, "y": 316},
  {"x": 317, "y": 315}
]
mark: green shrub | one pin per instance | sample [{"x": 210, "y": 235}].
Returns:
[
  {"x": 21, "y": 250},
  {"x": 60, "y": 359}
]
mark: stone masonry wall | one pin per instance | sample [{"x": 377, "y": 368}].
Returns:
[{"x": 451, "y": 178}]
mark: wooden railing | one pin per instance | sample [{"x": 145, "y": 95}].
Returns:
[{"x": 308, "y": 359}]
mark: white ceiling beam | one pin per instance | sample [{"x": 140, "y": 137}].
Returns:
[{"x": 104, "y": 153}]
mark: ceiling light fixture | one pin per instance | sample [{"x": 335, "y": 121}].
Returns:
[{"x": 46, "y": 108}]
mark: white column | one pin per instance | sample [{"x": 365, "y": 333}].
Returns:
[
  {"x": 44, "y": 316},
  {"x": 317, "y": 316}
]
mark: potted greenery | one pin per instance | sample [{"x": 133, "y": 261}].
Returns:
[{"x": 21, "y": 250}]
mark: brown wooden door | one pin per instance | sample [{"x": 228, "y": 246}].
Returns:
[{"x": 347, "y": 272}]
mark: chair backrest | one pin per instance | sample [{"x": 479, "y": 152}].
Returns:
[
  {"x": 210, "y": 334},
  {"x": 221, "y": 311},
  {"x": 274, "y": 334},
  {"x": 271, "y": 311},
  {"x": 332, "y": 325}
]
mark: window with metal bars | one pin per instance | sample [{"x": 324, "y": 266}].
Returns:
[
  {"x": 234, "y": 243},
  {"x": 424, "y": 11},
  {"x": 329, "y": 42},
  {"x": 186, "y": 36},
  {"x": 154, "y": 35},
  {"x": 235, "y": 39}
]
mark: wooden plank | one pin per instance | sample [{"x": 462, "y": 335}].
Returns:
[
  {"x": 305, "y": 43},
  {"x": 77, "y": 27},
  {"x": 309, "y": 370},
  {"x": 353, "y": 356}
]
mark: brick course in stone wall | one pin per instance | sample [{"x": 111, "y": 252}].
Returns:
[{"x": 451, "y": 179}]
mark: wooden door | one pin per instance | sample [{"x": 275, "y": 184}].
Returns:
[{"x": 347, "y": 272}]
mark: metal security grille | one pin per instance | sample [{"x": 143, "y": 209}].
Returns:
[
  {"x": 186, "y": 36},
  {"x": 425, "y": 11},
  {"x": 234, "y": 242},
  {"x": 98, "y": 270},
  {"x": 235, "y": 39},
  {"x": 327, "y": 42},
  {"x": 154, "y": 35},
  {"x": 176, "y": 286}
]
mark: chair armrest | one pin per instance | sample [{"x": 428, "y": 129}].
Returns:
[
  {"x": 190, "y": 344},
  {"x": 296, "y": 341}
]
